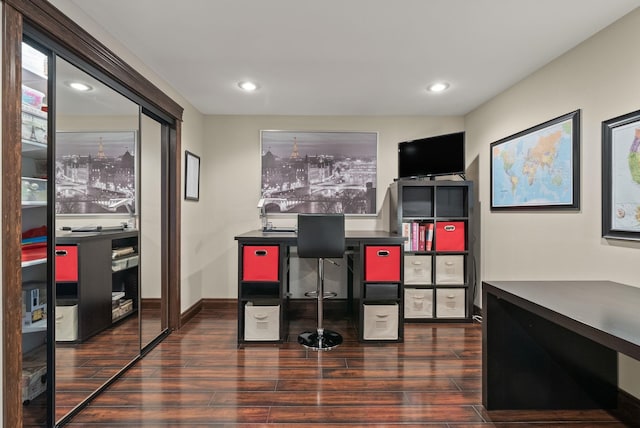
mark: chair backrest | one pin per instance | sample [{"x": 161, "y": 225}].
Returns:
[{"x": 321, "y": 235}]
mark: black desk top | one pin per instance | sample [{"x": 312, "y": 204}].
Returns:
[
  {"x": 605, "y": 311},
  {"x": 351, "y": 236},
  {"x": 64, "y": 237}
]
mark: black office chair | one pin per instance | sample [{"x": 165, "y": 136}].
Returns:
[{"x": 320, "y": 236}]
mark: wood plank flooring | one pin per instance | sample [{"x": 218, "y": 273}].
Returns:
[{"x": 197, "y": 377}]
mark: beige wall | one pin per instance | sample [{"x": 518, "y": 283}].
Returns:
[
  {"x": 193, "y": 139},
  {"x": 602, "y": 78},
  {"x": 231, "y": 179}
]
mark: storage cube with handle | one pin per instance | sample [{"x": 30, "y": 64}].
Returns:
[
  {"x": 260, "y": 263},
  {"x": 450, "y": 303},
  {"x": 66, "y": 263},
  {"x": 382, "y": 263},
  {"x": 380, "y": 322},
  {"x": 261, "y": 322},
  {"x": 417, "y": 269},
  {"x": 450, "y": 236},
  {"x": 66, "y": 323},
  {"x": 418, "y": 303},
  {"x": 450, "y": 270}
]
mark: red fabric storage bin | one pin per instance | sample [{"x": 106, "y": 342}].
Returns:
[
  {"x": 66, "y": 263},
  {"x": 450, "y": 236},
  {"x": 260, "y": 263},
  {"x": 382, "y": 263}
]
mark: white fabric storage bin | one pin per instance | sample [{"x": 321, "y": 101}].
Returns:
[
  {"x": 380, "y": 322},
  {"x": 417, "y": 269},
  {"x": 418, "y": 303},
  {"x": 261, "y": 322},
  {"x": 66, "y": 323},
  {"x": 450, "y": 303},
  {"x": 450, "y": 270}
]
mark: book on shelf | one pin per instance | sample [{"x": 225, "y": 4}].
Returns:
[
  {"x": 429, "y": 237},
  {"x": 406, "y": 233},
  {"x": 422, "y": 231},
  {"x": 419, "y": 235},
  {"x": 415, "y": 235}
]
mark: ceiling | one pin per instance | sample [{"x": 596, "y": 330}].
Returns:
[{"x": 348, "y": 57}]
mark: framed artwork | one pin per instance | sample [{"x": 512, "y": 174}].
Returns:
[
  {"x": 319, "y": 172},
  {"x": 538, "y": 168},
  {"x": 96, "y": 172},
  {"x": 621, "y": 177},
  {"x": 191, "y": 176}
]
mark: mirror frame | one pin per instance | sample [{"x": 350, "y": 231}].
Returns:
[{"x": 44, "y": 18}]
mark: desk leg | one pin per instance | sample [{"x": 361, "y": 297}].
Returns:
[{"x": 532, "y": 363}]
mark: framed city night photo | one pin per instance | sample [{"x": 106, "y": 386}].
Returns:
[
  {"x": 96, "y": 172},
  {"x": 319, "y": 172}
]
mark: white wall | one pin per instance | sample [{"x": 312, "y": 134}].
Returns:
[
  {"x": 602, "y": 78},
  {"x": 193, "y": 139},
  {"x": 232, "y": 174}
]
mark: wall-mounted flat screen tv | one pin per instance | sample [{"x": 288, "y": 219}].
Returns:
[{"x": 431, "y": 156}]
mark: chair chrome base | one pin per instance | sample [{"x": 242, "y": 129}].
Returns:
[{"x": 312, "y": 340}]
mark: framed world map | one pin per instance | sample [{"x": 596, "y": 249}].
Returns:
[
  {"x": 538, "y": 168},
  {"x": 621, "y": 177}
]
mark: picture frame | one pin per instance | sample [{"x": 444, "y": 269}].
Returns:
[
  {"x": 621, "y": 177},
  {"x": 538, "y": 168},
  {"x": 191, "y": 176},
  {"x": 319, "y": 172},
  {"x": 96, "y": 173}
]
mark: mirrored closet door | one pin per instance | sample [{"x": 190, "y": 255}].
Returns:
[
  {"x": 105, "y": 164},
  {"x": 97, "y": 287}
]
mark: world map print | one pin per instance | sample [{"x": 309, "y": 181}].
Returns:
[
  {"x": 535, "y": 169},
  {"x": 626, "y": 178}
]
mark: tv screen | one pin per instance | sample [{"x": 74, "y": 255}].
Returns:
[{"x": 427, "y": 157}]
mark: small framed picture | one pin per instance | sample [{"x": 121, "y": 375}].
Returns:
[
  {"x": 191, "y": 176},
  {"x": 621, "y": 177}
]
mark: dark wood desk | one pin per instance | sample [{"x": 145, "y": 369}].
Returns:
[
  {"x": 275, "y": 289},
  {"x": 554, "y": 344}
]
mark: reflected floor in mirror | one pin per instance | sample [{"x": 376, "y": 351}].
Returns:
[
  {"x": 199, "y": 377},
  {"x": 82, "y": 368}
]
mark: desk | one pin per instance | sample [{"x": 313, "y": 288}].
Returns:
[
  {"x": 265, "y": 280},
  {"x": 554, "y": 344}
]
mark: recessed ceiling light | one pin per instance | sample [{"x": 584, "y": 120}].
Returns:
[
  {"x": 248, "y": 86},
  {"x": 79, "y": 86},
  {"x": 438, "y": 87}
]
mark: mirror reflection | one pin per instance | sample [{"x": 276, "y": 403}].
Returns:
[
  {"x": 152, "y": 322},
  {"x": 97, "y": 239}
]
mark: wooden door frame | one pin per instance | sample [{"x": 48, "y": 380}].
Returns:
[{"x": 48, "y": 20}]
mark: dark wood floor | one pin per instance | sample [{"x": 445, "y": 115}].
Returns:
[{"x": 199, "y": 377}]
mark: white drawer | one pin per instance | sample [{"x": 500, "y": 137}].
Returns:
[
  {"x": 450, "y": 303},
  {"x": 261, "y": 322},
  {"x": 418, "y": 303},
  {"x": 380, "y": 322},
  {"x": 450, "y": 270},
  {"x": 66, "y": 323},
  {"x": 417, "y": 269}
]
